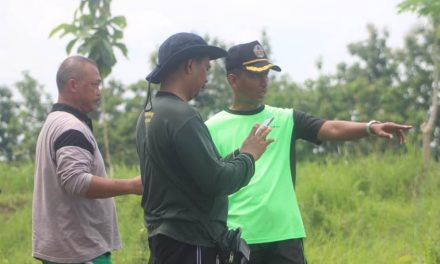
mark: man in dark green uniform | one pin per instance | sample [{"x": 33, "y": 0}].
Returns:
[{"x": 186, "y": 182}]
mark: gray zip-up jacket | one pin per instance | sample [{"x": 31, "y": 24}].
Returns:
[{"x": 67, "y": 227}]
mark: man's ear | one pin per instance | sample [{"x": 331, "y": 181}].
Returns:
[
  {"x": 71, "y": 86},
  {"x": 232, "y": 79},
  {"x": 189, "y": 66}
]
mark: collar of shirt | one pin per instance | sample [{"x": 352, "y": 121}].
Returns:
[
  {"x": 71, "y": 110},
  {"x": 246, "y": 112}
]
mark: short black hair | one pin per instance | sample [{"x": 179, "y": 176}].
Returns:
[{"x": 71, "y": 68}]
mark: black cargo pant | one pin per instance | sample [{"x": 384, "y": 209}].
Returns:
[
  {"x": 165, "y": 250},
  {"x": 289, "y": 251}
]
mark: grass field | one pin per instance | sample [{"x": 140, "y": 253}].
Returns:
[{"x": 375, "y": 209}]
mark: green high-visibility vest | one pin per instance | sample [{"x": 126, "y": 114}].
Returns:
[{"x": 266, "y": 209}]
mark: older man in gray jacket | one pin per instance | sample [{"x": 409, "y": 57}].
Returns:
[{"x": 74, "y": 216}]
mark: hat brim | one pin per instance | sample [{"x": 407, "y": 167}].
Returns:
[
  {"x": 262, "y": 67},
  {"x": 212, "y": 52}
]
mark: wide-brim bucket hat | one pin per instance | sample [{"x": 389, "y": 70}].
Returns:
[{"x": 179, "y": 47}]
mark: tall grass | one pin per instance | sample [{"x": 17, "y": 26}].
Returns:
[
  {"x": 16, "y": 184},
  {"x": 382, "y": 208},
  {"x": 376, "y": 209}
]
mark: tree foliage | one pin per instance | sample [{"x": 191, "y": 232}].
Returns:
[
  {"x": 431, "y": 10},
  {"x": 9, "y": 125},
  {"x": 96, "y": 33},
  {"x": 379, "y": 82},
  {"x": 21, "y": 118}
]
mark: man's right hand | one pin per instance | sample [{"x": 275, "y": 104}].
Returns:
[
  {"x": 137, "y": 187},
  {"x": 256, "y": 144}
]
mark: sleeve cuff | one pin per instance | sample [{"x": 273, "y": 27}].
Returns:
[
  {"x": 237, "y": 152},
  {"x": 249, "y": 155}
]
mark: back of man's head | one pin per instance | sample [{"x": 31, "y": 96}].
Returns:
[{"x": 71, "y": 68}]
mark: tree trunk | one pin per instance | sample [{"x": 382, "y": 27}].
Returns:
[
  {"x": 108, "y": 157},
  {"x": 428, "y": 127}
]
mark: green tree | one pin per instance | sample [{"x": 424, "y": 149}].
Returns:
[
  {"x": 9, "y": 125},
  {"x": 372, "y": 74},
  {"x": 31, "y": 112},
  {"x": 365, "y": 89},
  {"x": 416, "y": 77},
  {"x": 97, "y": 33},
  {"x": 431, "y": 10},
  {"x": 124, "y": 105}
]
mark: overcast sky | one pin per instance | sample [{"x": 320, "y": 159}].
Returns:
[{"x": 300, "y": 31}]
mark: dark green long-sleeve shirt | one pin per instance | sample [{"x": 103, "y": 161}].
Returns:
[{"x": 184, "y": 177}]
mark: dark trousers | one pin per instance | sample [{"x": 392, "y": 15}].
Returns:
[
  {"x": 103, "y": 259},
  {"x": 289, "y": 251},
  {"x": 165, "y": 250}
]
